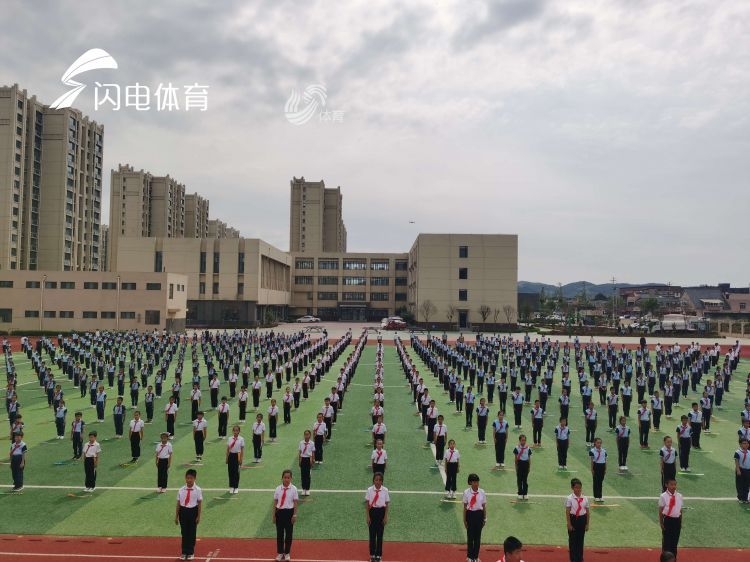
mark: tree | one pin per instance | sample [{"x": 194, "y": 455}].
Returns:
[
  {"x": 542, "y": 296},
  {"x": 650, "y": 306},
  {"x": 525, "y": 313},
  {"x": 406, "y": 314},
  {"x": 510, "y": 313},
  {"x": 427, "y": 309},
  {"x": 450, "y": 313},
  {"x": 484, "y": 312},
  {"x": 496, "y": 315}
]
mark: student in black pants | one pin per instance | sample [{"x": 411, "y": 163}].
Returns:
[
  {"x": 622, "y": 434},
  {"x": 377, "y": 501},
  {"x": 598, "y": 467},
  {"x": 90, "y": 461},
  {"x": 562, "y": 437},
  {"x": 500, "y": 436},
  {"x": 522, "y": 455},
  {"x": 234, "y": 456},
  {"x": 577, "y": 516},
  {"x": 223, "y": 418},
  {"x": 306, "y": 451},
  {"x": 482, "y": 417},
  {"x": 285, "y": 503},
  {"x": 451, "y": 469},
  {"x": 188, "y": 513},
  {"x": 163, "y": 462},
  {"x": 670, "y": 517},
  {"x": 475, "y": 516}
]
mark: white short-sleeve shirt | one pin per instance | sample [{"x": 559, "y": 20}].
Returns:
[
  {"x": 379, "y": 457},
  {"x": 289, "y": 499},
  {"x": 478, "y": 497},
  {"x": 196, "y": 496},
  {"x": 377, "y": 498},
  {"x": 578, "y": 505}
]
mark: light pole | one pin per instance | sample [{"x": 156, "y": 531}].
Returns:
[
  {"x": 117, "y": 311},
  {"x": 41, "y": 304}
]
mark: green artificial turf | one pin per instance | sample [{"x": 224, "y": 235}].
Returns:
[{"x": 414, "y": 516}]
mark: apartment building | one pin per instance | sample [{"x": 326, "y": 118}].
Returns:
[
  {"x": 316, "y": 218},
  {"x": 220, "y": 229},
  {"x": 196, "y": 216}
]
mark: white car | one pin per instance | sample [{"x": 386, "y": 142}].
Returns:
[{"x": 307, "y": 318}]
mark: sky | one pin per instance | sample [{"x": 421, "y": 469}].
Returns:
[{"x": 612, "y": 137}]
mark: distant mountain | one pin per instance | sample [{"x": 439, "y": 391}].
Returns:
[{"x": 572, "y": 289}]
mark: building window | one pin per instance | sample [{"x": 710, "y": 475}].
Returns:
[
  {"x": 401, "y": 281},
  {"x": 463, "y": 251},
  {"x": 89, "y": 314},
  {"x": 380, "y": 281},
  {"x": 241, "y": 262},
  {"x": 50, "y": 284},
  {"x": 33, "y": 284},
  {"x": 355, "y": 281},
  {"x": 50, "y": 314},
  {"x": 32, "y": 314},
  {"x": 463, "y": 295},
  {"x": 304, "y": 263},
  {"x": 402, "y": 265},
  {"x": 217, "y": 259},
  {"x": 303, "y": 280},
  {"x": 67, "y": 285},
  {"x": 202, "y": 288},
  {"x": 328, "y": 264},
  {"x": 6, "y": 284},
  {"x": 378, "y": 296},
  {"x": 158, "y": 265},
  {"x": 743, "y": 306},
  {"x": 215, "y": 289},
  {"x": 153, "y": 287},
  {"x": 355, "y": 265},
  {"x": 240, "y": 288},
  {"x": 171, "y": 290},
  {"x": 127, "y": 286},
  {"x": 109, "y": 286},
  {"x": 327, "y": 296},
  {"x": 90, "y": 285},
  {"x": 202, "y": 268},
  {"x": 127, "y": 315},
  {"x": 463, "y": 272},
  {"x": 379, "y": 265},
  {"x": 153, "y": 317},
  {"x": 66, "y": 314},
  {"x": 327, "y": 280},
  {"x": 108, "y": 314},
  {"x": 6, "y": 315},
  {"x": 353, "y": 296},
  {"x": 400, "y": 297}
]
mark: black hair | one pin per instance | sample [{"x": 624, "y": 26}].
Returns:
[
  {"x": 473, "y": 477},
  {"x": 575, "y": 481},
  {"x": 511, "y": 544},
  {"x": 191, "y": 472}
]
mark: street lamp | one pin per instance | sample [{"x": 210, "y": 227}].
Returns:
[{"x": 41, "y": 304}]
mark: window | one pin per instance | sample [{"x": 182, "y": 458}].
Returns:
[
  {"x": 400, "y": 296},
  {"x": 463, "y": 272},
  {"x": 402, "y": 265},
  {"x": 6, "y": 284},
  {"x": 67, "y": 285},
  {"x": 304, "y": 263},
  {"x": 401, "y": 281},
  {"x": 355, "y": 265},
  {"x": 50, "y": 314},
  {"x": 240, "y": 288},
  {"x": 353, "y": 296},
  {"x": 378, "y": 296},
  {"x": 379, "y": 265},
  {"x": 108, "y": 314},
  {"x": 6, "y": 315},
  {"x": 743, "y": 305},
  {"x": 327, "y": 296},
  {"x": 215, "y": 289},
  {"x": 355, "y": 281},
  {"x": 89, "y": 314},
  {"x": 379, "y": 281},
  {"x": 463, "y": 295},
  {"x": 127, "y": 286},
  {"x": 158, "y": 261},
  {"x": 50, "y": 284},
  {"x": 90, "y": 285},
  {"x": 33, "y": 284},
  {"x": 127, "y": 315},
  {"x": 202, "y": 288},
  {"x": 66, "y": 314},
  {"x": 328, "y": 264},
  {"x": 109, "y": 286},
  {"x": 153, "y": 287},
  {"x": 171, "y": 290},
  {"x": 203, "y": 262},
  {"x": 241, "y": 262},
  {"x": 153, "y": 317},
  {"x": 303, "y": 280},
  {"x": 327, "y": 280},
  {"x": 463, "y": 251},
  {"x": 217, "y": 260},
  {"x": 31, "y": 314}
]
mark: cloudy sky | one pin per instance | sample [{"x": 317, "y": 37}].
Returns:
[{"x": 612, "y": 137}]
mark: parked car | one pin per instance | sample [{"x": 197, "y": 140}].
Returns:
[
  {"x": 307, "y": 318},
  {"x": 393, "y": 323}
]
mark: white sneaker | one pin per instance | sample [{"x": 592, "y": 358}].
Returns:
[
  {"x": 280, "y": 558},
  {"x": 497, "y": 465},
  {"x": 520, "y": 497},
  {"x": 287, "y": 558},
  {"x": 502, "y": 465}
]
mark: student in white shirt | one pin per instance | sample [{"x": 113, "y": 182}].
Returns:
[
  {"x": 742, "y": 471},
  {"x": 234, "y": 456},
  {"x": 475, "y": 516},
  {"x": 17, "y": 461},
  {"x": 163, "y": 462},
  {"x": 577, "y": 518},
  {"x": 285, "y": 503},
  {"x": 377, "y": 501},
  {"x": 135, "y": 434},
  {"x": 200, "y": 431},
  {"x": 452, "y": 457},
  {"x": 91, "y": 452},
  {"x": 512, "y": 549},
  {"x": 670, "y": 517},
  {"x": 306, "y": 452},
  {"x": 378, "y": 458},
  {"x": 598, "y": 467},
  {"x": 259, "y": 434},
  {"x": 188, "y": 513}
]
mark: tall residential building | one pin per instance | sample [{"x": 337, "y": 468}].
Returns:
[
  {"x": 104, "y": 245},
  {"x": 167, "y": 208},
  {"x": 196, "y": 216},
  {"x": 219, "y": 229},
  {"x": 50, "y": 185},
  {"x": 316, "y": 219}
]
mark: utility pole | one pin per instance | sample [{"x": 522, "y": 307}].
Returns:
[{"x": 614, "y": 299}]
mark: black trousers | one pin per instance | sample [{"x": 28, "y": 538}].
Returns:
[
  {"x": 536, "y": 424},
  {"x": 643, "y": 433},
  {"x": 304, "y": 468},
  {"x": 90, "y": 471},
  {"x": 272, "y": 426},
  {"x": 517, "y": 411},
  {"x": 214, "y": 397},
  {"x": 284, "y": 531},
  {"x": 598, "y": 474},
  {"x": 684, "y": 452},
  {"x": 198, "y": 438},
  {"x": 149, "y": 411},
  {"x": 319, "y": 448},
  {"x": 696, "y": 434},
  {"x": 669, "y": 473},
  {"x": 451, "y": 472},
  {"x": 135, "y": 445},
  {"x": 16, "y": 470},
  {"x": 500, "y": 441},
  {"x": 257, "y": 448},
  {"x": 439, "y": 448},
  {"x": 170, "y": 424},
  {"x": 233, "y": 469},
  {"x": 77, "y": 444},
  {"x": 287, "y": 412},
  {"x": 376, "y": 527},
  {"x": 575, "y": 537},
  {"x": 522, "y": 477},
  {"x": 188, "y": 527},
  {"x": 474, "y": 524},
  {"x": 670, "y": 536},
  {"x": 742, "y": 483},
  {"x": 162, "y": 472},
  {"x": 482, "y": 427},
  {"x": 223, "y": 422},
  {"x": 243, "y": 409},
  {"x": 622, "y": 451},
  {"x": 590, "y": 431},
  {"x": 194, "y": 407},
  {"x": 562, "y": 451},
  {"x": 612, "y": 411}
]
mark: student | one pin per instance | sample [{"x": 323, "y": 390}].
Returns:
[
  {"x": 149, "y": 401},
  {"x": 564, "y": 404},
  {"x": 118, "y": 412},
  {"x": 135, "y": 434},
  {"x": 60, "y": 412},
  {"x": 306, "y": 452},
  {"x": 319, "y": 434},
  {"x": 296, "y": 392},
  {"x": 482, "y": 416},
  {"x": 327, "y": 412},
  {"x": 76, "y": 435},
  {"x": 440, "y": 435},
  {"x": 378, "y": 431},
  {"x": 188, "y": 513},
  {"x": 287, "y": 404},
  {"x": 622, "y": 434},
  {"x": 91, "y": 461},
  {"x": 200, "y": 433},
  {"x": 590, "y": 422},
  {"x": 657, "y": 405},
  {"x": 101, "y": 403},
  {"x": 744, "y": 431},
  {"x": 668, "y": 462},
  {"x": 259, "y": 435},
  {"x": 612, "y": 404},
  {"x": 500, "y": 437},
  {"x": 234, "y": 455},
  {"x": 195, "y": 401},
  {"x": 517, "y": 399},
  {"x": 670, "y": 517},
  {"x": 376, "y": 411},
  {"x": 742, "y": 471},
  {"x": 213, "y": 385},
  {"x": 452, "y": 457},
  {"x": 598, "y": 467},
  {"x": 696, "y": 424},
  {"x": 475, "y": 517},
  {"x": 285, "y": 504},
  {"x": 644, "y": 424},
  {"x": 522, "y": 455},
  {"x": 223, "y": 418},
  {"x": 469, "y": 399},
  {"x": 378, "y": 458},
  {"x": 431, "y": 417},
  {"x": 684, "y": 441},
  {"x": 17, "y": 461},
  {"x": 377, "y": 501},
  {"x": 577, "y": 518},
  {"x": 562, "y": 437},
  {"x": 170, "y": 413},
  {"x": 163, "y": 462},
  {"x": 537, "y": 423},
  {"x": 512, "y": 549},
  {"x": 257, "y": 385},
  {"x": 273, "y": 419}
]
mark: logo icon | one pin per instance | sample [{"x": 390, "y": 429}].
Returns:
[
  {"x": 92, "y": 59},
  {"x": 314, "y": 97}
]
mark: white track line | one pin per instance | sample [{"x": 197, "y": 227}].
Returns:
[
  {"x": 206, "y": 558},
  {"x": 404, "y": 492}
]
